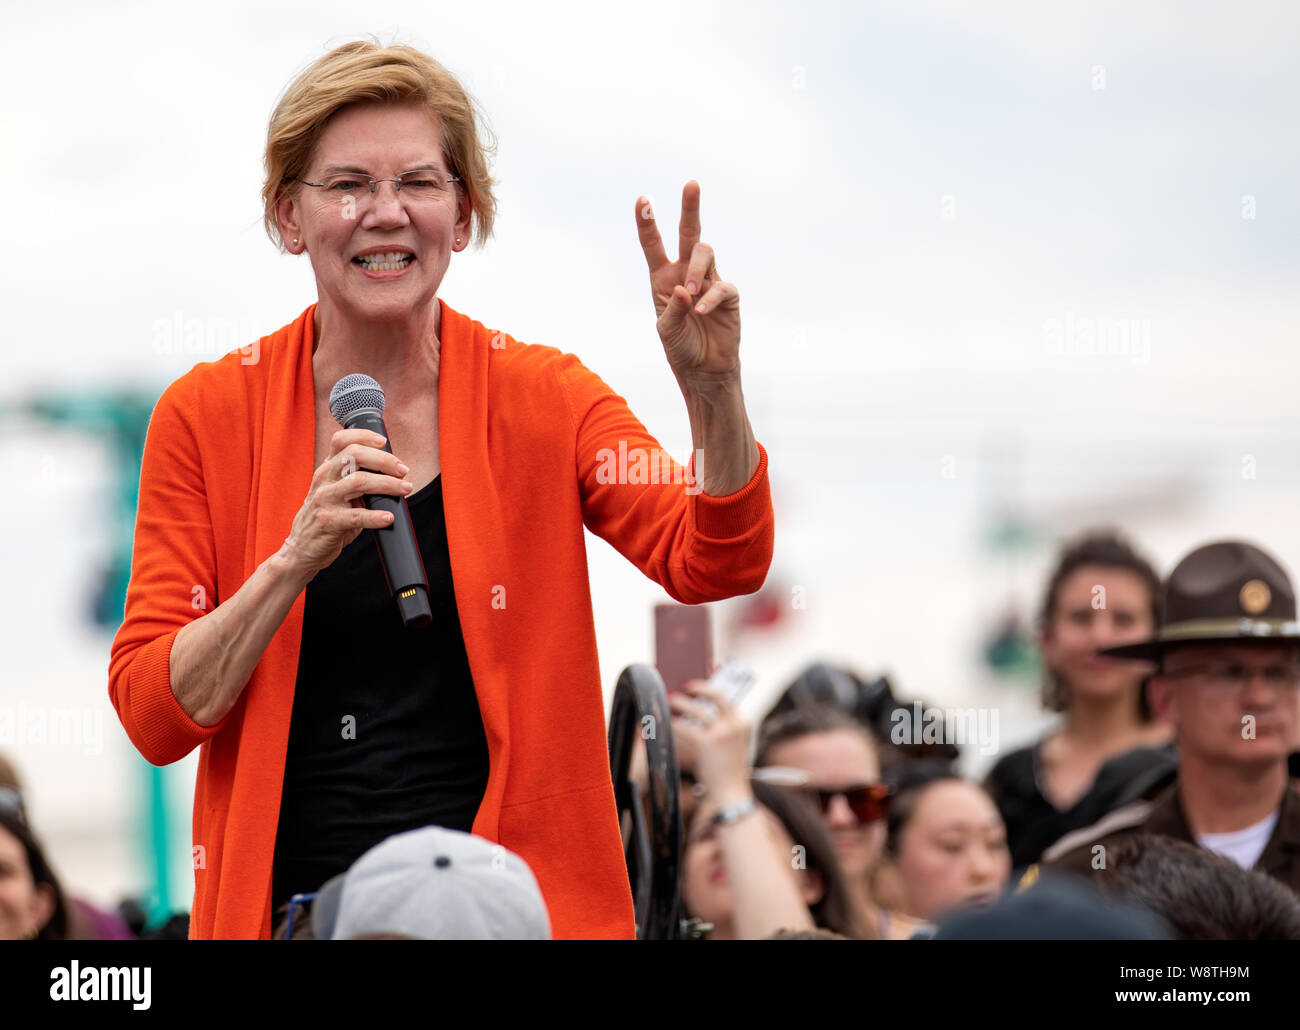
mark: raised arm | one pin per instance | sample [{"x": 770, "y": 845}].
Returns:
[
  {"x": 647, "y": 506},
  {"x": 765, "y": 895},
  {"x": 698, "y": 319},
  {"x": 705, "y": 531}
]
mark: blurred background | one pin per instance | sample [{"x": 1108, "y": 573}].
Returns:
[{"x": 1007, "y": 271}]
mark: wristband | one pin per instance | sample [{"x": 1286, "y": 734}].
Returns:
[{"x": 732, "y": 813}]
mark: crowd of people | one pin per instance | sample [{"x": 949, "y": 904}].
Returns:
[{"x": 1160, "y": 805}]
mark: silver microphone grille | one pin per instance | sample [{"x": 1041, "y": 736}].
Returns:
[{"x": 354, "y": 393}]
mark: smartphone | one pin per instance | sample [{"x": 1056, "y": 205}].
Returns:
[
  {"x": 733, "y": 679},
  {"x": 683, "y": 644}
]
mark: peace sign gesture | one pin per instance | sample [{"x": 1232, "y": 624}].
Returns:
[{"x": 698, "y": 313}]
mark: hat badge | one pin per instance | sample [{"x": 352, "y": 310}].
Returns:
[{"x": 1255, "y": 596}]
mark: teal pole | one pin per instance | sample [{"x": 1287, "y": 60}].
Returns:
[{"x": 122, "y": 419}]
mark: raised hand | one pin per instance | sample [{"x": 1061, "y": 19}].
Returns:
[
  {"x": 716, "y": 735},
  {"x": 698, "y": 312}
]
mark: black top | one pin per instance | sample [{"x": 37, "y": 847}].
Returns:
[
  {"x": 386, "y": 733},
  {"x": 1034, "y": 823}
]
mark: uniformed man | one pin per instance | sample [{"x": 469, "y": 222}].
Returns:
[{"x": 1228, "y": 680}]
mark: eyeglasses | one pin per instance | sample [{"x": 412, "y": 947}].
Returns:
[
  {"x": 1226, "y": 675},
  {"x": 868, "y": 802},
  {"x": 423, "y": 185}
]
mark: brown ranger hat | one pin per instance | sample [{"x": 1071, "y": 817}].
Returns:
[{"x": 1220, "y": 592}]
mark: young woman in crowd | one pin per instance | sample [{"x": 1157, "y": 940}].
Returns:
[
  {"x": 757, "y": 858},
  {"x": 839, "y": 756},
  {"x": 1107, "y": 749},
  {"x": 31, "y": 901},
  {"x": 946, "y": 846}
]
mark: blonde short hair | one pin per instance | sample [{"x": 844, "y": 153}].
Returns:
[{"x": 363, "y": 72}]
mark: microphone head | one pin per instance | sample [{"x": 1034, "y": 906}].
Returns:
[{"x": 353, "y": 393}]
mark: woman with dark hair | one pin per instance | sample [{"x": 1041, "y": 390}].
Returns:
[
  {"x": 31, "y": 900},
  {"x": 798, "y": 839},
  {"x": 758, "y": 859},
  {"x": 947, "y": 845},
  {"x": 840, "y": 759},
  {"x": 85, "y": 921},
  {"x": 1107, "y": 750}
]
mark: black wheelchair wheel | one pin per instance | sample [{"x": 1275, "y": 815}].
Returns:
[{"x": 654, "y": 847}]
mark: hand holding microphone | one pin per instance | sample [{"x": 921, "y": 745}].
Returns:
[
  {"x": 360, "y": 486},
  {"x": 333, "y": 515}
]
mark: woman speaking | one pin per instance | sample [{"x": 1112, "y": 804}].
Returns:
[{"x": 259, "y": 623}]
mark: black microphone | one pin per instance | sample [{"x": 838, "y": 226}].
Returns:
[{"x": 357, "y": 402}]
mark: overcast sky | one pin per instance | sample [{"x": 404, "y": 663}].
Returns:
[{"x": 902, "y": 192}]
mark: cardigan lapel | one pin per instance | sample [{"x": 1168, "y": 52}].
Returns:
[
  {"x": 283, "y": 448},
  {"x": 287, "y": 442},
  {"x": 475, "y": 535}
]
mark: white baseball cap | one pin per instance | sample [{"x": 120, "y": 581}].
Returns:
[{"x": 433, "y": 884}]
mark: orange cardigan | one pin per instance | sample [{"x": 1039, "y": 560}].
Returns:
[{"x": 521, "y": 430}]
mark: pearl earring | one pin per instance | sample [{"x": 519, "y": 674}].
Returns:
[{"x": 457, "y": 239}]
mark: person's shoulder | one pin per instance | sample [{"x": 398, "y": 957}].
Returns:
[
  {"x": 534, "y": 358},
  {"x": 210, "y": 398},
  {"x": 537, "y": 358},
  {"x": 1014, "y": 771},
  {"x": 534, "y": 373},
  {"x": 1144, "y": 762},
  {"x": 1289, "y": 813},
  {"x": 87, "y": 922},
  {"x": 510, "y": 353},
  {"x": 245, "y": 367},
  {"x": 205, "y": 381},
  {"x": 219, "y": 371},
  {"x": 1137, "y": 774},
  {"x": 534, "y": 366},
  {"x": 1077, "y": 848}
]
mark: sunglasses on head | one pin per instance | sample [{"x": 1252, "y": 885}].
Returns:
[{"x": 868, "y": 801}]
